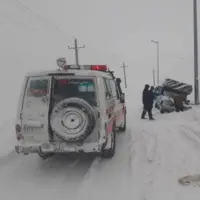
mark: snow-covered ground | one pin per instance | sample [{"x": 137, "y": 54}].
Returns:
[
  {"x": 151, "y": 155},
  {"x": 150, "y": 158},
  {"x": 8, "y": 140}
]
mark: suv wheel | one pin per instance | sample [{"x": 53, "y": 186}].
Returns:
[
  {"x": 109, "y": 153},
  {"x": 44, "y": 155},
  {"x": 123, "y": 128}
]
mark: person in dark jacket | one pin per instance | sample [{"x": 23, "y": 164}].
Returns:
[
  {"x": 178, "y": 102},
  {"x": 118, "y": 82},
  {"x": 147, "y": 100},
  {"x": 153, "y": 95}
]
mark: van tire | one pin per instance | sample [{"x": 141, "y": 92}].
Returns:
[
  {"x": 109, "y": 153},
  {"x": 44, "y": 156},
  {"x": 123, "y": 128}
]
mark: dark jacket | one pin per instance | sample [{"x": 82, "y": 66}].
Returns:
[
  {"x": 146, "y": 97},
  {"x": 151, "y": 97}
]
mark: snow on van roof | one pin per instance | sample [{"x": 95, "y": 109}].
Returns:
[{"x": 70, "y": 71}]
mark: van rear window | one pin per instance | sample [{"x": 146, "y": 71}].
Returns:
[{"x": 80, "y": 88}]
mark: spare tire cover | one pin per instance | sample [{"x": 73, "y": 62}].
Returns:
[{"x": 72, "y": 119}]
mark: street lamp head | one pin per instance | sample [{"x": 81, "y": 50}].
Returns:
[{"x": 154, "y": 41}]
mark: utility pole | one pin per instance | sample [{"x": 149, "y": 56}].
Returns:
[
  {"x": 196, "y": 77},
  {"x": 76, "y": 48},
  {"x": 124, "y": 69},
  {"x": 154, "y": 78},
  {"x": 158, "y": 61}
]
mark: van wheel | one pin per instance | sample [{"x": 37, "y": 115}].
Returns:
[
  {"x": 110, "y": 152},
  {"x": 123, "y": 128},
  {"x": 44, "y": 156}
]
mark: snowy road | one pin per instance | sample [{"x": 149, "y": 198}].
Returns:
[{"x": 150, "y": 158}]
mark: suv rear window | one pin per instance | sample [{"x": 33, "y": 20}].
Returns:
[{"x": 80, "y": 88}]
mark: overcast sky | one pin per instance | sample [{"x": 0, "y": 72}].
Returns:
[{"x": 114, "y": 31}]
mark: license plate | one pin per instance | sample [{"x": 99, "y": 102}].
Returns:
[{"x": 46, "y": 146}]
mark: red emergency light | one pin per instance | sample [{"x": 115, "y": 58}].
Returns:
[{"x": 99, "y": 67}]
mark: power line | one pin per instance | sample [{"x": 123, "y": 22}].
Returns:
[
  {"x": 51, "y": 25},
  {"x": 13, "y": 21},
  {"x": 41, "y": 18},
  {"x": 76, "y": 48}
]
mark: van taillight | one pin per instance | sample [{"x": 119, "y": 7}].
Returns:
[{"x": 18, "y": 129}]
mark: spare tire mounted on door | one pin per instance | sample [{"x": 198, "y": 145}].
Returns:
[{"x": 72, "y": 119}]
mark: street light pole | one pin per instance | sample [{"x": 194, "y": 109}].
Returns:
[
  {"x": 158, "y": 60},
  {"x": 196, "y": 80},
  {"x": 154, "y": 78}
]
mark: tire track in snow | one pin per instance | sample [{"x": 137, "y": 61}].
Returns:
[
  {"x": 174, "y": 158},
  {"x": 142, "y": 156},
  {"x": 108, "y": 175},
  {"x": 138, "y": 159},
  {"x": 192, "y": 136},
  {"x": 150, "y": 139},
  {"x": 53, "y": 178},
  {"x": 193, "y": 141},
  {"x": 171, "y": 158}
]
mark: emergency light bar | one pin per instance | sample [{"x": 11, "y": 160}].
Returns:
[
  {"x": 62, "y": 63},
  {"x": 87, "y": 67},
  {"x": 99, "y": 67}
]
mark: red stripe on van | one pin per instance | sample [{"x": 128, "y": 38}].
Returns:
[{"x": 110, "y": 126}]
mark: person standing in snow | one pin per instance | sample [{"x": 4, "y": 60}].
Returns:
[
  {"x": 151, "y": 97},
  {"x": 147, "y": 102},
  {"x": 153, "y": 94},
  {"x": 178, "y": 102}
]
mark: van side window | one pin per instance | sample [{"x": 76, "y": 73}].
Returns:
[
  {"x": 37, "y": 87},
  {"x": 113, "y": 88},
  {"x": 108, "y": 89},
  {"x": 37, "y": 90}
]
